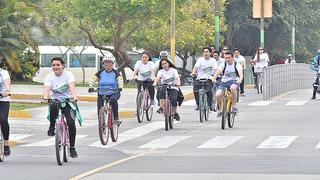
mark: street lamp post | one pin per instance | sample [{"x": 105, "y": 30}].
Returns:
[
  {"x": 172, "y": 30},
  {"x": 217, "y": 25}
]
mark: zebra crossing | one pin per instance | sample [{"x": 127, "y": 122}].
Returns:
[
  {"x": 162, "y": 142},
  {"x": 257, "y": 103}
]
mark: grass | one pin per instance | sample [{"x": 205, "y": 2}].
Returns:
[{"x": 24, "y": 106}]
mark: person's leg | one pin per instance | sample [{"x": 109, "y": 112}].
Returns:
[
  {"x": 54, "y": 111},
  {"x": 209, "y": 95},
  {"x": 70, "y": 115},
  {"x": 100, "y": 103},
  {"x": 5, "y": 128},
  {"x": 242, "y": 85},
  {"x": 173, "y": 100},
  {"x": 196, "y": 88},
  {"x": 151, "y": 90},
  {"x": 162, "y": 91},
  {"x": 233, "y": 89},
  {"x": 315, "y": 86},
  {"x": 114, "y": 103}
]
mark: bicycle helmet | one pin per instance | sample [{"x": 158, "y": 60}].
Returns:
[
  {"x": 290, "y": 55},
  {"x": 164, "y": 54},
  {"x": 108, "y": 58}
]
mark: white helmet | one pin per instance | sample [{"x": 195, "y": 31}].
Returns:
[
  {"x": 108, "y": 58},
  {"x": 164, "y": 54}
]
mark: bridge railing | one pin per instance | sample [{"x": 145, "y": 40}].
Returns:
[{"x": 282, "y": 78}]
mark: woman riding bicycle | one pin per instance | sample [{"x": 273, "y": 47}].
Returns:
[
  {"x": 5, "y": 84},
  {"x": 108, "y": 78},
  {"x": 62, "y": 85},
  {"x": 231, "y": 77},
  {"x": 144, "y": 72},
  {"x": 168, "y": 74}
]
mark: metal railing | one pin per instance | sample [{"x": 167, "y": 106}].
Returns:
[{"x": 282, "y": 78}]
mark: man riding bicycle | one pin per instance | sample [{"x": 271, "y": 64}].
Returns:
[
  {"x": 144, "y": 72},
  {"x": 204, "y": 69},
  {"x": 231, "y": 77},
  {"x": 108, "y": 78},
  {"x": 62, "y": 85},
  {"x": 315, "y": 66}
]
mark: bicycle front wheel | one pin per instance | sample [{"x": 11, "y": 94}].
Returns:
[
  {"x": 201, "y": 107},
  {"x": 58, "y": 144},
  {"x": 224, "y": 113},
  {"x": 171, "y": 117},
  {"x": 1, "y": 146},
  {"x": 113, "y": 126},
  {"x": 65, "y": 153},
  {"x": 231, "y": 117},
  {"x": 166, "y": 115},
  {"x": 140, "y": 109},
  {"x": 149, "y": 110},
  {"x": 102, "y": 126},
  {"x": 206, "y": 108}
]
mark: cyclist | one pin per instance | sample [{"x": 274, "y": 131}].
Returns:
[
  {"x": 204, "y": 69},
  {"x": 144, "y": 72},
  {"x": 61, "y": 83},
  {"x": 231, "y": 77},
  {"x": 262, "y": 56},
  {"x": 241, "y": 60},
  {"x": 315, "y": 66},
  {"x": 168, "y": 74},
  {"x": 108, "y": 78},
  {"x": 5, "y": 84}
]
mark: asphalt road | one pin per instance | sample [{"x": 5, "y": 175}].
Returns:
[{"x": 275, "y": 139}]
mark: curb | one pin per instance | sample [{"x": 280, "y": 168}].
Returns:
[{"x": 19, "y": 114}]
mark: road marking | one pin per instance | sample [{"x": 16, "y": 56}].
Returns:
[
  {"x": 190, "y": 102},
  {"x": 93, "y": 171},
  {"x": 318, "y": 146},
  {"x": 277, "y": 142},
  {"x": 220, "y": 142},
  {"x": 261, "y": 103},
  {"x": 19, "y": 137},
  {"x": 164, "y": 142},
  {"x": 131, "y": 134},
  {"x": 296, "y": 103},
  {"x": 48, "y": 142}
]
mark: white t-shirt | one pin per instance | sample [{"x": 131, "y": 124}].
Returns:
[
  {"x": 156, "y": 65},
  {"x": 206, "y": 68},
  {"x": 144, "y": 70},
  {"x": 4, "y": 75},
  {"x": 230, "y": 72},
  {"x": 264, "y": 58},
  {"x": 59, "y": 85},
  {"x": 240, "y": 59},
  {"x": 168, "y": 77}
]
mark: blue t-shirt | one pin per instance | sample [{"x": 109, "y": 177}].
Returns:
[{"x": 107, "y": 81}]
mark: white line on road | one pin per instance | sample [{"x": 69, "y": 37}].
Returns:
[
  {"x": 164, "y": 142},
  {"x": 19, "y": 137},
  {"x": 277, "y": 142},
  {"x": 220, "y": 142},
  {"x": 132, "y": 133},
  {"x": 48, "y": 142},
  {"x": 190, "y": 102},
  {"x": 261, "y": 103},
  {"x": 296, "y": 103}
]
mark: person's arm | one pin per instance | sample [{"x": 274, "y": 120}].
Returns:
[
  {"x": 7, "y": 85},
  {"x": 46, "y": 88},
  {"x": 244, "y": 63},
  {"x": 135, "y": 73},
  {"x": 239, "y": 68},
  {"x": 178, "y": 83},
  {"x": 72, "y": 87},
  {"x": 120, "y": 82}
]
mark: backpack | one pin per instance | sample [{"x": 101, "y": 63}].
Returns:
[{"x": 235, "y": 67}]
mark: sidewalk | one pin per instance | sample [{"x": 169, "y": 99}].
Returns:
[{"x": 87, "y": 102}]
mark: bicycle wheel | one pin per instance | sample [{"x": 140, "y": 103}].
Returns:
[
  {"x": 201, "y": 107},
  {"x": 58, "y": 144},
  {"x": 65, "y": 153},
  {"x": 1, "y": 146},
  {"x": 206, "y": 108},
  {"x": 149, "y": 109},
  {"x": 224, "y": 113},
  {"x": 171, "y": 117},
  {"x": 140, "y": 109},
  {"x": 166, "y": 114},
  {"x": 102, "y": 126},
  {"x": 231, "y": 117},
  {"x": 113, "y": 126}
]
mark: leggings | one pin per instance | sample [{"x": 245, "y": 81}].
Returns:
[
  {"x": 4, "y": 106},
  {"x": 148, "y": 85},
  {"x": 113, "y": 101},
  {"x": 69, "y": 115}
]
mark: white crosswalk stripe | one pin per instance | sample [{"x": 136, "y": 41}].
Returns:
[
  {"x": 220, "y": 142},
  {"x": 296, "y": 103},
  {"x": 260, "y": 103},
  {"x": 164, "y": 142},
  {"x": 19, "y": 137},
  {"x": 131, "y": 134},
  {"x": 277, "y": 142},
  {"x": 49, "y": 142}
]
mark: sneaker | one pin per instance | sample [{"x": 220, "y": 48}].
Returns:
[
  {"x": 196, "y": 108},
  {"x": 117, "y": 121},
  {"x": 73, "y": 153},
  {"x": 153, "y": 103},
  {"x": 160, "y": 110},
  {"x": 6, "y": 151},
  {"x": 213, "y": 108},
  {"x": 176, "y": 116},
  {"x": 313, "y": 97},
  {"x": 51, "y": 132},
  {"x": 242, "y": 94},
  {"x": 219, "y": 114},
  {"x": 234, "y": 110}
]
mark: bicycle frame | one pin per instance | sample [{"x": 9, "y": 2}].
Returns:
[
  {"x": 143, "y": 102},
  {"x": 226, "y": 109},
  {"x": 203, "y": 100},
  {"x": 168, "y": 109}
]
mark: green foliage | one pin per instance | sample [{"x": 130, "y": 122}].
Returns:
[{"x": 30, "y": 66}]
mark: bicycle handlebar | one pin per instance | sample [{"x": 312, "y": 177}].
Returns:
[
  {"x": 1, "y": 95},
  {"x": 107, "y": 89},
  {"x": 48, "y": 101}
]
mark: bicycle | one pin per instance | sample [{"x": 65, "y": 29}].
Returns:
[
  {"x": 106, "y": 113},
  {"x": 227, "y": 115},
  {"x": 144, "y": 102},
  {"x": 204, "y": 108},
  {"x": 168, "y": 109},
  {"x": 62, "y": 143},
  {"x": 1, "y": 140},
  {"x": 258, "y": 70}
]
